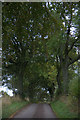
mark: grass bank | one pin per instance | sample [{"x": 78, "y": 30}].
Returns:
[
  {"x": 11, "y": 105},
  {"x": 64, "y": 108}
]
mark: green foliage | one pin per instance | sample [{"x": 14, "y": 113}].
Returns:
[
  {"x": 12, "y": 108},
  {"x": 74, "y": 88},
  {"x": 11, "y": 104},
  {"x": 52, "y": 75},
  {"x": 62, "y": 110},
  {"x": 37, "y": 46}
]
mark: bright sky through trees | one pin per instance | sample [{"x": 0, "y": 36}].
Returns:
[{"x": 7, "y": 90}]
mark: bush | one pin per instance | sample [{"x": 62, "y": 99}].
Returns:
[{"x": 74, "y": 88}]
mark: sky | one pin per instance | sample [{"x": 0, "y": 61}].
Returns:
[{"x": 5, "y": 89}]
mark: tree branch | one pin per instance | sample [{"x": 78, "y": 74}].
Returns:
[
  {"x": 77, "y": 58},
  {"x": 72, "y": 45},
  {"x": 68, "y": 31}
]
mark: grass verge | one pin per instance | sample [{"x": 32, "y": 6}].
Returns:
[
  {"x": 9, "y": 109},
  {"x": 62, "y": 110}
]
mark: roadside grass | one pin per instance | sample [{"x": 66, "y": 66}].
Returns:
[
  {"x": 11, "y": 106},
  {"x": 63, "y": 109}
]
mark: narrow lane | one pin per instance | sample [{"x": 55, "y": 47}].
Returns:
[
  {"x": 36, "y": 111},
  {"x": 27, "y": 112}
]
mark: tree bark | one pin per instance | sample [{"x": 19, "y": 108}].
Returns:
[
  {"x": 59, "y": 82},
  {"x": 65, "y": 77},
  {"x": 20, "y": 85},
  {"x": 58, "y": 76}
]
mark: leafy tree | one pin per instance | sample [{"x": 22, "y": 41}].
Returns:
[
  {"x": 25, "y": 27},
  {"x": 39, "y": 49},
  {"x": 64, "y": 42}
]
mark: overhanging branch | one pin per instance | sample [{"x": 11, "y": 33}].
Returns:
[
  {"x": 77, "y": 58},
  {"x": 72, "y": 45}
]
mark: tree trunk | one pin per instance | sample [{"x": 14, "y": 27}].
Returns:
[
  {"x": 58, "y": 76},
  {"x": 20, "y": 85},
  {"x": 65, "y": 78},
  {"x": 51, "y": 98},
  {"x": 58, "y": 82}
]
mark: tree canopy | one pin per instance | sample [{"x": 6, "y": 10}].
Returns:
[{"x": 40, "y": 47}]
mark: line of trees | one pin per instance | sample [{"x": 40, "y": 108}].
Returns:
[{"x": 40, "y": 47}]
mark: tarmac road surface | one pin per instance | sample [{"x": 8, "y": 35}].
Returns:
[{"x": 41, "y": 110}]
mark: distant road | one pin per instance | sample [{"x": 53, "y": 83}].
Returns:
[{"x": 36, "y": 111}]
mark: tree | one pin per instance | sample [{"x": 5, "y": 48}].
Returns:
[
  {"x": 39, "y": 47},
  {"x": 24, "y": 30},
  {"x": 64, "y": 44}
]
